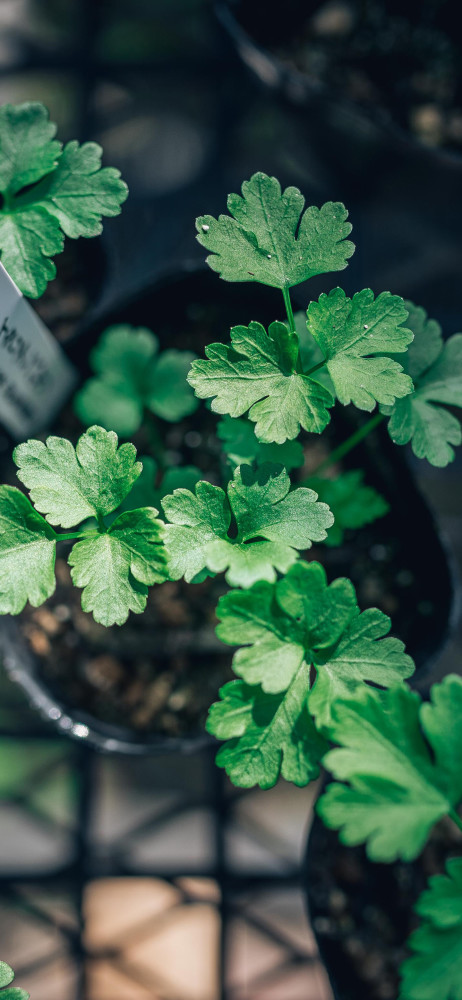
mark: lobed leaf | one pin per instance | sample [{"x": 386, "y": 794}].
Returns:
[
  {"x": 27, "y": 553},
  {"x": 27, "y": 148},
  {"x": 436, "y": 369},
  {"x": 46, "y": 192},
  {"x": 80, "y": 193},
  {"x": 291, "y": 635},
  {"x": 435, "y": 968},
  {"x": 70, "y": 484},
  {"x": 274, "y": 521},
  {"x": 131, "y": 376},
  {"x": 268, "y": 237},
  {"x": 258, "y": 373},
  {"x": 28, "y": 239},
  {"x": 116, "y": 568},
  {"x": 302, "y": 618},
  {"x": 355, "y": 336},
  {"x": 267, "y": 735},
  {"x": 398, "y": 785}
]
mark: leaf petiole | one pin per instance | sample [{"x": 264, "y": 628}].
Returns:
[
  {"x": 320, "y": 364},
  {"x": 289, "y": 310},
  {"x": 350, "y": 443},
  {"x": 71, "y": 535}
]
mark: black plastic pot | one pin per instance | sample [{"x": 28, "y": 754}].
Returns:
[
  {"x": 361, "y": 912},
  {"x": 204, "y": 308},
  {"x": 341, "y": 130}
]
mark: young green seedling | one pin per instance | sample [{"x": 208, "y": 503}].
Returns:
[
  {"x": 131, "y": 377},
  {"x": 47, "y": 192},
  {"x": 113, "y": 563}
]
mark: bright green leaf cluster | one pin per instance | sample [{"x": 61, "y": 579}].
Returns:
[
  {"x": 354, "y": 336},
  {"x": 271, "y": 525},
  {"x": 399, "y": 764},
  {"x": 47, "y": 192},
  {"x": 298, "y": 631},
  {"x": 260, "y": 372},
  {"x": 435, "y": 968},
  {"x": 9, "y": 992},
  {"x": 268, "y": 237},
  {"x": 132, "y": 376},
  {"x": 351, "y": 501},
  {"x": 436, "y": 370},
  {"x": 114, "y": 564}
]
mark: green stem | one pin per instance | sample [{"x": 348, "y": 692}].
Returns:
[
  {"x": 320, "y": 364},
  {"x": 456, "y": 818},
  {"x": 289, "y": 310},
  {"x": 349, "y": 444},
  {"x": 76, "y": 534}
]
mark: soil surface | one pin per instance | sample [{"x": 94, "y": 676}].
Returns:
[
  {"x": 398, "y": 60},
  {"x": 362, "y": 913},
  {"x": 67, "y": 297}
]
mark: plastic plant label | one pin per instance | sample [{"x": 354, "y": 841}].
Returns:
[{"x": 35, "y": 375}]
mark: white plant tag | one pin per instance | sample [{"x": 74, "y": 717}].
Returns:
[{"x": 35, "y": 375}]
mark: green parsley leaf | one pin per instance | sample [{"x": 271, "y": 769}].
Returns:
[
  {"x": 440, "y": 719},
  {"x": 436, "y": 369},
  {"x": 27, "y": 553},
  {"x": 27, "y": 148},
  {"x": 271, "y": 239},
  {"x": 116, "y": 568},
  {"x": 79, "y": 192},
  {"x": 267, "y": 735},
  {"x": 396, "y": 791},
  {"x": 10, "y": 992},
  {"x": 302, "y": 619},
  {"x": 65, "y": 192},
  {"x": 435, "y": 968},
  {"x": 349, "y": 332},
  {"x": 352, "y": 503},
  {"x": 28, "y": 239},
  {"x": 131, "y": 376},
  {"x": 258, "y": 373},
  {"x": 242, "y": 446},
  {"x": 197, "y": 536},
  {"x": 70, "y": 484}
]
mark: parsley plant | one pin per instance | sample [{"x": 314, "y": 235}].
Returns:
[
  {"x": 317, "y": 680},
  {"x": 47, "y": 192}
]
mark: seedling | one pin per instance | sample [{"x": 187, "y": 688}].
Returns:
[
  {"x": 47, "y": 192},
  {"x": 132, "y": 377},
  {"x": 311, "y": 669},
  {"x": 114, "y": 564}
]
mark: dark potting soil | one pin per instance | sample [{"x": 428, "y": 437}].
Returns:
[
  {"x": 68, "y": 296},
  {"x": 362, "y": 913},
  {"x": 398, "y": 59},
  {"x": 160, "y": 671}
]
